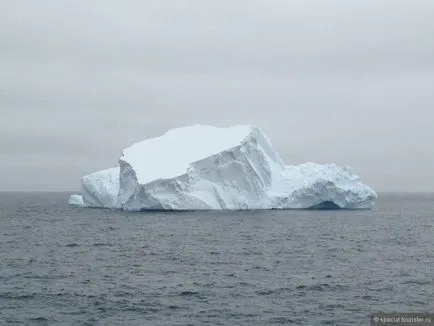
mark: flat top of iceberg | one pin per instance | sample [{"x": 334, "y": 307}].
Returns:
[{"x": 171, "y": 154}]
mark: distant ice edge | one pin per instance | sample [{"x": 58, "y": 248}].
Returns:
[
  {"x": 76, "y": 201},
  {"x": 208, "y": 168}
]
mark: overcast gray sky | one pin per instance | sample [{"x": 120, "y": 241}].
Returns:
[{"x": 350, "y": 82}]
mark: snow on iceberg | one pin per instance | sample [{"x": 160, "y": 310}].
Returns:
[
  {"x": 76, "y": 201},
  {"x": 209, "y": 168},
  {"x": 199, "y": 167}
]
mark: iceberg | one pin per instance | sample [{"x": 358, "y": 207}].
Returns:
[
  {"x": 312, "y": 185},
  {"x": 209, "y": 168},
  {"x": 199, "y": 167},
  {"x": 76, "y": 201},
  {"x": 100, "y": 189}
]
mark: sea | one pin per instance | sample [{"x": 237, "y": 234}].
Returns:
[{"x": 74, "y": 266}]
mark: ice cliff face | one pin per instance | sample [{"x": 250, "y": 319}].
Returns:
[
  {"x": 206, "y": 170},
  {"x": 100, "y": 189},
  {"x": 76, "y": 201},
  {"x": 204, "y": 167}
]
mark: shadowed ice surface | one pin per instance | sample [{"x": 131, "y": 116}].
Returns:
[{"x": 71, "y": 266}]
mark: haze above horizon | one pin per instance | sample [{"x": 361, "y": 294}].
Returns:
[{"x": 327, "y": 81}]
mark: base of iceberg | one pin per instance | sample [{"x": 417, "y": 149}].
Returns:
[{"x": 209, "y": 168}]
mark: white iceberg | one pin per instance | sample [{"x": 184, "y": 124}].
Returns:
[
  {"x": 100, "y": 189},
  {"x": 209, "y": 168},
  {"x": 199, "y": 167},
  {"x": 312, "y": 185},
  {"x": 76, "y": 201}
]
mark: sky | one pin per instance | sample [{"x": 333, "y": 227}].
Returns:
[{"x": 349, "y": 82}]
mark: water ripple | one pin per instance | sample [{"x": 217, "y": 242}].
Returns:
[{"x": 62, "y": 266}]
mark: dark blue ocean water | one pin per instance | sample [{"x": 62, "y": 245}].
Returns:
[{"x": 66, "y": 266}]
